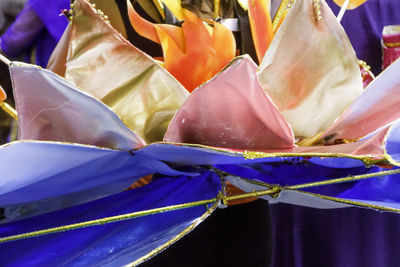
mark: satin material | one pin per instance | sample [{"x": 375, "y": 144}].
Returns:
[
  {"x": 41, "y": 177},
  {"x": 377, "y": 106},
  {"x": 261, "y": 26},
  {"x": 192, "y": 64},
  {"x": 51, "y": 109},
  {"x": 311, "y": 76},
  {"x": 3, "y": 95},
  {"x": 114, "y": 244},
  {"x": 58, "y": 59},
  {"x": 104, "y": 64},
  {"x": 231, "y": 110}
]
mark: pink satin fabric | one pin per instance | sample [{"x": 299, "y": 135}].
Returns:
[
  {"x": 377, "y": 106},
  {"x": 231, "y": 110},
  {"x": 51, "y": 109}
]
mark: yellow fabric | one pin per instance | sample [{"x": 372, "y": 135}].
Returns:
[{"x": 138, "y": 89}]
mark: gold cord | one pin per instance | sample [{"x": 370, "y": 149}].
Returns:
[
  {"x": 328, "y": 182},
  {"x": 281, "y": 13},
  {"x": 355, "y": 203},
  {"x": 345, "y": 180},
  {"x": 367, "y": 161},
  {"x": 216, "y": 8},
  {"x": 106, "y": 220},
  {"x": 273, "y": 191},
  {"x": 9, "y": 110},
  {"x": 160, "y": 7}
]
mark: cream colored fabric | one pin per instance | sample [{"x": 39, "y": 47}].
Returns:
[{"x": 310, "y": 69}]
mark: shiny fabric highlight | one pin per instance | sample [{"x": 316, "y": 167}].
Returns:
[
  {"x": 137, "y": 88},
  {"x": 311, "y": 76},
  {"x": 231, "y": 110}
]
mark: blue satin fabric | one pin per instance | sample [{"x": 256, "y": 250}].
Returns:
[
  {"x": 113, "y": 244},
  {"x": 39, "y": 177}
]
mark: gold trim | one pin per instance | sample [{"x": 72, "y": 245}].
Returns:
[
  {"x": 216, "y": 8},
  {"x": 354, "y": 203},
  {"x": 282, "y": 10},
  {"x": 335, "y": 199},
  {"x": 326, "y": 182},
  {"x": 345, "y": 179},
  {"x": 106, "y": 220},
  {"x": 366, "y": 159},
  {"x": 273, "y": 191},
  {"x": 160, "y": 7},
  {"x": 186, "y": 231},
  {"x": 366, "y": 68},
  {"x": 9, "y": 110}
]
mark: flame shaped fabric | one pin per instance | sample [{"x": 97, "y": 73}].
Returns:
[
  {"x": 352, "y": 4},
  {"x": 3, "y": 95},
  {"x": 231, "y": 110},
  {"x": 310, "y": 70},
  {"x": 193, "y": 53},
  {"x": 51, "y": 109},
  {"x": 104, "y": 64},
  {"x": 261, "y": 26}
]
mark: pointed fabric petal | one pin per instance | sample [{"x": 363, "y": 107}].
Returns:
[
  {"x": 378, "y": 105},
  {"x": 352, "y": 3},
  {"x": 3, "y": 95},
  {"x": 58, "y": 59},
  {"x": 231, "y": 111},
  {"x": 51, "y": 109},
  {"x": 141, "y": 26},
  {"x": 201, "y": 60},
  {"x": 107, "y": 66},
  {"x": 313, "y": 76},
  {"x": 193, "y": 53},
  {"x": 261, "y": 26}
]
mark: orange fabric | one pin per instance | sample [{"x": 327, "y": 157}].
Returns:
[
  {"x": 261, "y": 26},
  {"x": 142, "y": 26},
  {"x": 352, "y": 4},
  {"x": 193, "y": 53},
  {"x": 233, "y": 191},
  {"x": 141, "y": 182},
  {"x": 3, "y": 95}
]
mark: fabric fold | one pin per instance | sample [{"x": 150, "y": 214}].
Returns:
[
  {"x": 310, "y": 69},
  {"x": 231, "y": 110},
  {"x": 51, "y": 109}
]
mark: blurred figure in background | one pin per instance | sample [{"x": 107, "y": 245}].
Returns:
[
  {"x": 9, "y": 9},
  {"x": 36, "y": 31}
]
